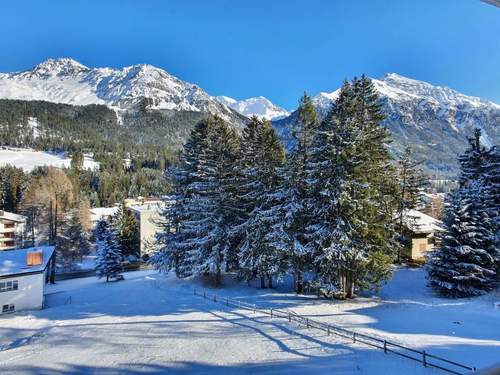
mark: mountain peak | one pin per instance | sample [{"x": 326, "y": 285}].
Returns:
[
  {"x": 59, "y": 66},
  {"x": 258, "y": 106}
]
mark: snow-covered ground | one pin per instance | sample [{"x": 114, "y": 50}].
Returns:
[
  {"x": 153, "y": 324},
  {"x": 30, "y": 159}
]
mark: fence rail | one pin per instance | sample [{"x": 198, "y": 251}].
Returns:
[{"x": 426, "y": 359}]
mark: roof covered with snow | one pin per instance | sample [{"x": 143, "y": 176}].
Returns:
[
  {"x": 12, "y": 216},
  {"x": 419, "y": 222},
  {"x": 97, "y": 213},
  {"x": 13, "y": 262}
]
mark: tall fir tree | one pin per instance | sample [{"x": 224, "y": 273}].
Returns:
[
  {"x": 128, "y": 231},
  {"x": 170, "y": 254},
  {"x": 354, "y": 193},
  {"x": 201, "y": 242},
  {"x": 492, "y": 186},
  {"x": 262, "y": 155},
  {"x": 467, "y": 261},
  {"x": 463, "y": 266},
  {"x": 295, "y": 193},
  {"x": 72, "y": 242},
  {"x": 109, "y": 256}
]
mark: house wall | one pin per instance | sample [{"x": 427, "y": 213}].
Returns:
[
  {"x": 148, "y": 226},
  {"x": 29, "y": 295},
  {"x": 419, "y": 247}
]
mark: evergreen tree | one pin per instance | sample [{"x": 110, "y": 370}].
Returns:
[
  {"x": 77, "y": 235},
  {"x": 261, "y": 155},
  {"x": 353, "y": 193},
  {"x": 296, "y": 194},
  {"x": 109, "y": 256},
  {"x": 412, "y": 182},
  {"x": 462, "y": 265},
  {"x": 201, "y": 242},
  {"x": 492, "y": 188},
  {"x": 128, "y": 231},
  {"x": 473, "y": 161}
]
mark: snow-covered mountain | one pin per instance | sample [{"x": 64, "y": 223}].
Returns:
[
  {"x": 434, "y": 120},
  {"x": 258, "y": 106},
  {"x": 65, "y": 80}
]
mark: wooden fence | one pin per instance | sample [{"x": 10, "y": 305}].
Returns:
[{"x": 425, "y": 358}]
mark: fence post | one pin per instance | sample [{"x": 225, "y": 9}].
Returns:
[
  {"x": 215, "y": 298},
  {"x": 385, "y": 346},
  {"x": 227, "y": 301},
  {"x": 194, "y": 291},
  {"x": 328, "y": 330},
  {"x": 424, "y": 358},
  {"x": 254, "y": 308},
  {"x": 271, "y": 313},
  {"x": 289, "y": 317},
  {"x": 354, "y": 336},
  {"x": 307, "y": 322}
]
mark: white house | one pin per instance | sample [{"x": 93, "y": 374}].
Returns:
[
  {"x": 11, "y": 229},
  {"x": 150, "y": 221},
  {"x": 23, "y": 275}
]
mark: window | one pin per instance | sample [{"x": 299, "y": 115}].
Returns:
[
  {"x": 8, "y": 309},
  {"x": 7, "y": 286},
  {"x": 9, "y": 225}
]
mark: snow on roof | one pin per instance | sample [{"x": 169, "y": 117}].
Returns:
[
  {"x": 419, "y": 222},
  {"x": 12, "y": 216},
  {"x": 13, "y": 262},
  {"x": 97, "y": 213},
  {"x": 148, "y": 207}
]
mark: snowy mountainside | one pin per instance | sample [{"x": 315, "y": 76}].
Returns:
[
  {"x": 434, "y": 120},
  {"x": 65, "y": 80},
  {"x": 258, "y": 106}
]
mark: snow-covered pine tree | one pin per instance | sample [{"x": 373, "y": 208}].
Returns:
[
  {"x": 170, "y": 254},
  {"x": 354, "y": 193},
  {"x": 295, "y": 193},
  {"x": 492, "y": 185},
  {"x": 109, "y": 255},
  {"x": 462, "y": 265},
  {"x": 206, "y": 213},
  {"x": 474, "y": 160},
  {"x": 412, "y": 182},
  {"x": 262, "y": 155}
]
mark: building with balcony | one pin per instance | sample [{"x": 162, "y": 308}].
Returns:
[{"x": 12, "y": 227}]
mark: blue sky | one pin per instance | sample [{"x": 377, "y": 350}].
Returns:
[{"x": 275, "y": 48}]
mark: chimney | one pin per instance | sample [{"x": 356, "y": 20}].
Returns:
[{"x": 34, "y": 257}]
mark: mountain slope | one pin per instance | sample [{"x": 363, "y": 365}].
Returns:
[
  {"x": 258, "y": 106},
  {"x": 435, "y": 121},
  {"x": 67, "y": 81}
]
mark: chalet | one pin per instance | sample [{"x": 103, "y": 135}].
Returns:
[
  {"x": 23, "y": 275},
  {"x": 422, "y": 231},
  {"x": 12, "y": 228}
]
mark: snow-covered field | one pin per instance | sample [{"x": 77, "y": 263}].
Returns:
[
  {"x": 153, "y": 324},
  {"x": 30, "y": 159}
]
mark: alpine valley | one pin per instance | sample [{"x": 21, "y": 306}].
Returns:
[{"x": 62, "y": 104}]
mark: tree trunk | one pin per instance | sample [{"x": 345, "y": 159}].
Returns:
[
  {"x": 299, "y": 284},
  {"x": 218, "y": 277},
  {"x": 262, "y": 282},
  {"x": 270, "y": 283}
]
